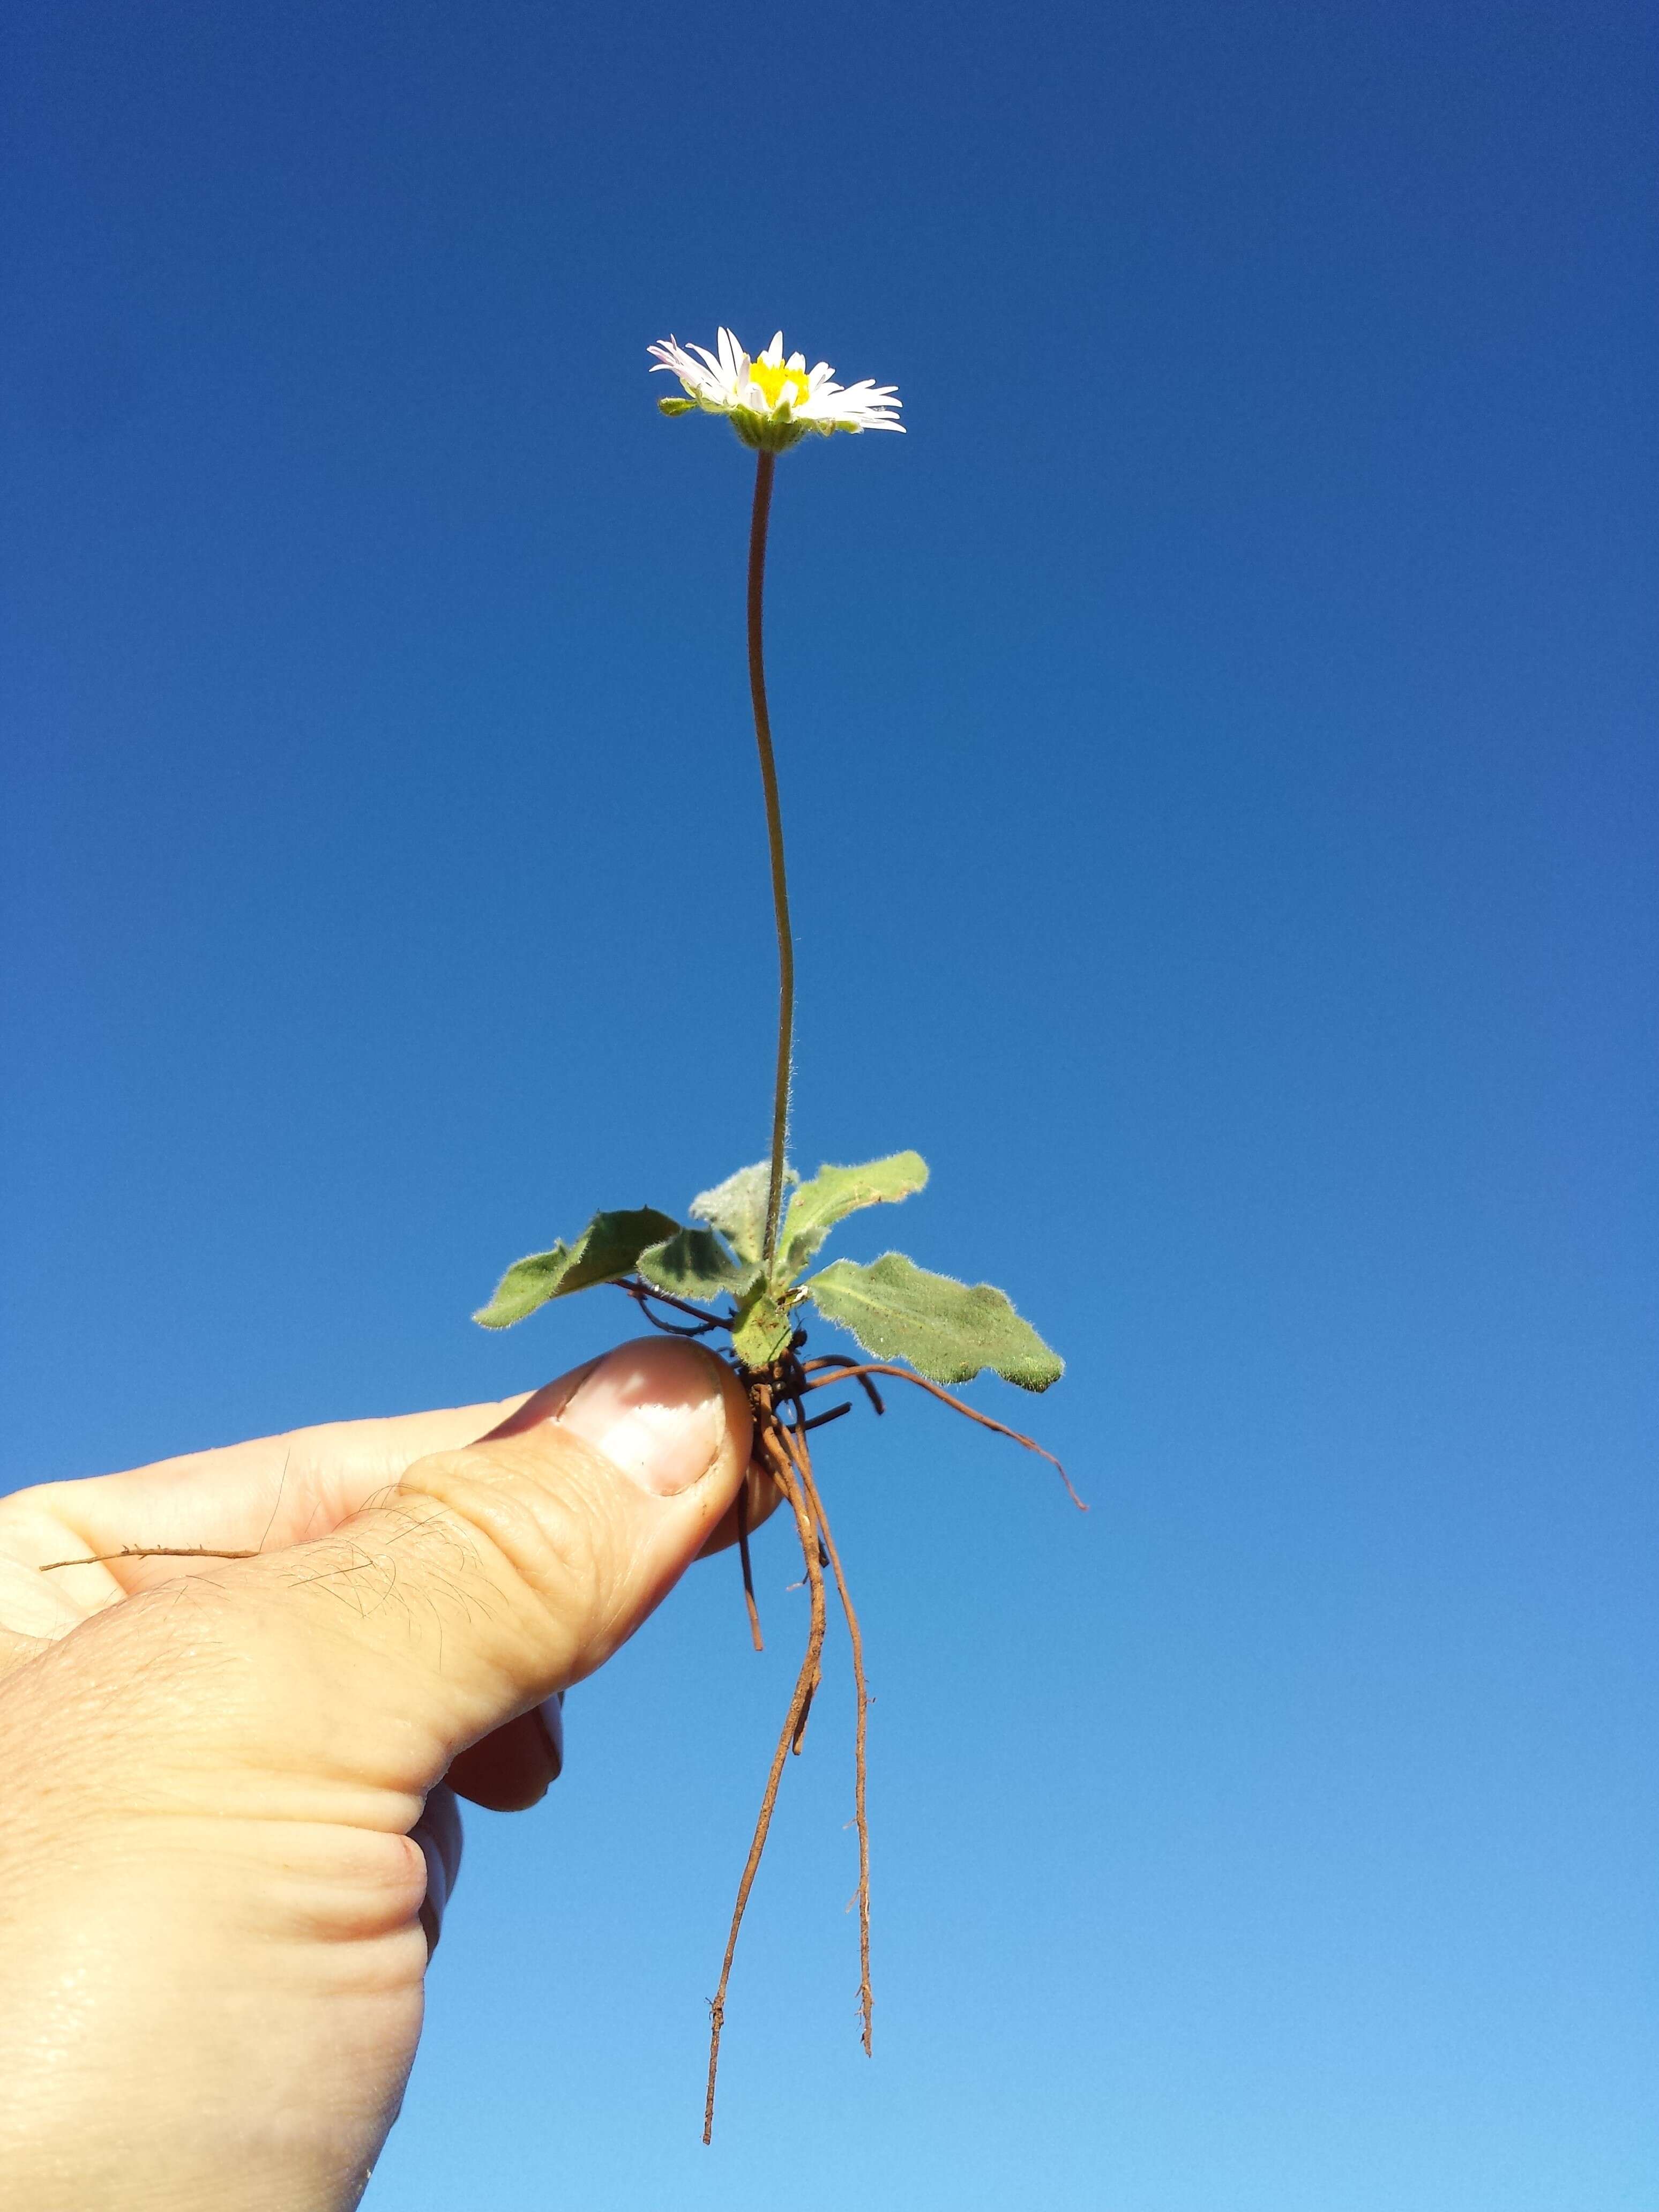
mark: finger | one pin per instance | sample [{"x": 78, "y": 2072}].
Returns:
[
  {"x": 260, "y": 1496},
  {"x": 493, "y": 1576},
  {"x": 438, "y": 1833}
]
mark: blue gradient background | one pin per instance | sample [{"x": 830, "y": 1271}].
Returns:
[{"x": 1218, "y": 745}]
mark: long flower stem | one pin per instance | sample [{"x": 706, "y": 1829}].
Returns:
[{"x": 764, "y": 465}]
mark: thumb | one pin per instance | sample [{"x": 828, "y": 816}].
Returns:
[{"x": 494, "y": 1575}]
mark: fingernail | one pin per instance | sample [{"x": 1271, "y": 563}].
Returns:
[
  {"x": 657, "y": 1410},
  {"x": 550, "y": 1714}
]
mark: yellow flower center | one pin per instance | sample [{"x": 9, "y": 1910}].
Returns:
[{"x": 783, "y": 387}]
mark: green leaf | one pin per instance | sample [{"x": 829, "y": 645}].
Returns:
[
  {"x": 947, "y": 1330},
  {"x": 677, "y": 406},
  {"x": 833, "y": 1193},
  {"x": 610, "y": 1246},
  {"x": 694, "y": 1264},
  {"x": 763, "y": 1330},
  {"x": 737, "y": 1207}
]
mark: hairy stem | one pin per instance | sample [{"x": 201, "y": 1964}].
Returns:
[{"x": 764, "y": 465}]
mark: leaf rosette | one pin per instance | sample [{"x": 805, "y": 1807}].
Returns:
[{"x": 948, "y": 1331}]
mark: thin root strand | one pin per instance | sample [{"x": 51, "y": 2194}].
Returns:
[
  {"x": 834, "y": 1414},
  {"x": 882, "y": 1367},
  {"x": 840, "y": 1360},
  {"x": 748, "y": 1565},
  {"x": 777, "y": 1459},
  {"x": 860, "y": 1766},
  {"x": 147, "y": 1551}
]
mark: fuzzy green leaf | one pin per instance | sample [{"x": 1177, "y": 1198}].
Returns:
[
  {"x": 763, "y": 1330},
  {"x": 610, "y": 1246},
  {"x": 948, "y": 1331},
  {"x": 694, "y": 1264},
  {"x": 833, "y": 1193},
  {"x": 737, "y": 1207}
]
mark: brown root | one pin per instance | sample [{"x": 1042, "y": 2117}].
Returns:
[
  {"x": 777, "y": 1458},
  {"x": 748, "y": 1565},
  {"x": 796, "y": 1446},
  {"x": 846, "y": 1372},
  {"x": 147, "y": 1551}
]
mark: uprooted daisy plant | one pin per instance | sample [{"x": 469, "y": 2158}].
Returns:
[{"x": 746, "y": 1264}]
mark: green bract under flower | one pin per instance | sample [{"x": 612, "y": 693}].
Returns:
[{"x": 772, "y": 402}]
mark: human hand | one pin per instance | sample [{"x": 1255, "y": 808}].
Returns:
[{"x": 227, "y": 1835}]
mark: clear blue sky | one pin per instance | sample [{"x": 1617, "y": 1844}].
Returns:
[{"x": 1219, "y": 747}]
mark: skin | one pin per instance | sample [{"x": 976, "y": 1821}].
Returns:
[{"x": 230, "y": 1816}]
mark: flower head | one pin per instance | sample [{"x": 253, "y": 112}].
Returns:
[{"x": 771, "y": 402}]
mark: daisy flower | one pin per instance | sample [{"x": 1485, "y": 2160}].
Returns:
[{"x": 771, "y": 402}]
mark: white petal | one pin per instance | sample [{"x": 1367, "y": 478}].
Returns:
[{"x": 722, "y": 380}]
